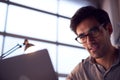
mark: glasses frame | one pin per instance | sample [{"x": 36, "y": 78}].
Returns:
[{"x": 89, "y": 33}]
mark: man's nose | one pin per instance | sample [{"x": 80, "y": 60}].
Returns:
[{"x": 90, "y": 39}]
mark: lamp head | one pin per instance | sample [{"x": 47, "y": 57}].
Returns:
[{"x": 27, "y": 44}]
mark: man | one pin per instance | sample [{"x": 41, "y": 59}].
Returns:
[{"x": 93, "y": 29}]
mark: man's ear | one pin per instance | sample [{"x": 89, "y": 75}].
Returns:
[{"x": 109, "y": 28}]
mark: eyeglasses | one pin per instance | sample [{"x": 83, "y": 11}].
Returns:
[{"x": 93, "y": 33}]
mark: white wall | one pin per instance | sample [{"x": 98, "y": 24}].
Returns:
[{"x": 112, "y": 7}]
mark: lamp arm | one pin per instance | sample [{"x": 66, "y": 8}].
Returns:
[{"x": 3, "y": 55}]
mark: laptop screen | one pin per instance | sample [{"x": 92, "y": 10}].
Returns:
[{"x": 34, "y": 66}]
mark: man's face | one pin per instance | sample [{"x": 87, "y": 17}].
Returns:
[{"x": 96, "y": 46}]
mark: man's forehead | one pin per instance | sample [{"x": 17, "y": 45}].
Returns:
[
  {"x": 86, "y": 24},
  {"x": 83, "y": 29}
]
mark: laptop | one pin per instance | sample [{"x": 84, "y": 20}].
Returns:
[{"x": 33, "y": 66}]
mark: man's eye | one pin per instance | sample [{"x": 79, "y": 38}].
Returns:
[
  {"x": 94, "y": 30},
  {"x": 82, "y": 36}
]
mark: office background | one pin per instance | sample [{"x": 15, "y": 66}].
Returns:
[{"x": 45, "y": 23}]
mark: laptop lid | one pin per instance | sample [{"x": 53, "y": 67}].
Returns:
[{"x": 33, "y": 66}]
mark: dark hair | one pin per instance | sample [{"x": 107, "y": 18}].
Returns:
[{"x": 85, "y": 12}]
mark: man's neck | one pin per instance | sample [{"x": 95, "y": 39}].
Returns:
[{"x": 107, "y": 60}]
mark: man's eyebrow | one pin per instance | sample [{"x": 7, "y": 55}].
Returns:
[
  {"x": 81, "y": 34},
  {"x": 92, "y": 28},
  {"x": 95, "y": 28},
  {"x": 86, "y": 31}
]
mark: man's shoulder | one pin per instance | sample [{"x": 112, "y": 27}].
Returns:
[
  {"x": 82, "y": 66},
  {"x": 84, "y": 63},
  {"x": 80, "y": 69},
  {"x": 88, "y": 60}
]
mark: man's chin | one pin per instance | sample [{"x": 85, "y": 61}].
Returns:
[{"x": 95, "y": 55}]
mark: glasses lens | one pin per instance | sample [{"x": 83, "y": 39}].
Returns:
[
  {"x": 81, "y": 39},
  {"x": 94, "y": 32}
]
